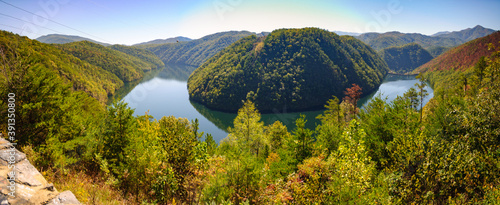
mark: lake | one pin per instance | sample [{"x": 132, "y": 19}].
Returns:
[{"x": 164, "y": 93}]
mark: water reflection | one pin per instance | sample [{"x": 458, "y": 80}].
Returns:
[
  {"x": 176, "y": 72},
  {"x": 164, "y": 93}
]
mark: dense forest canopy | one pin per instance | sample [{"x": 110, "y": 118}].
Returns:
[
  {"x": 84, "y": 76},
  {"x": 294, "y": 69},
  {"x": 151, "y": 60},
  {"x": 126, "y": 67},
  {"x": 195, "y": 52},
  {"x": 404, "y": 59}
]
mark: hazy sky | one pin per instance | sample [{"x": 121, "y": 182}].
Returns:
[{"x": 134, "y": 21}]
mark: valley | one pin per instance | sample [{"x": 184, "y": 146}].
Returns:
[{"x": 291, "y": 116}]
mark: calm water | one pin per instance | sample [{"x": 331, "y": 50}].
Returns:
[{"x": 164, "y": 93}]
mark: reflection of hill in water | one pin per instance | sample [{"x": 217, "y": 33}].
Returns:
[
  {"x": 170, "y": 71},
  {"x": 225, "y": 120},
  {"x": 176, "y": 72},
  {"x": 220, "y": 119},
  {"x": 393, "y": 77},
  {"x": 129, "y": 86}
]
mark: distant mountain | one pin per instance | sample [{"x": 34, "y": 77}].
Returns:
[
  {"x": 404, "y": 59},
  {"x": 61, "y": 39},
  {"x": 379, "y": 41},
  {"x": 462, "y": 57},
  {"x": 261, "y": 34},
  {"x": 293, "y": 69},
  {"x": 341, "y": 33},
  {"x": 435, "y": 44},
  {"x": 440, "y": 33},
  {"x": 163, "y": 41},
  {"x": 468, "y": 34},
  {"x": 197, "y": 51}
]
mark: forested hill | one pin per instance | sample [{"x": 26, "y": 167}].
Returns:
[
  {"x": 197, "y": 51},
  {"x": 293, "y": 69},
  {"x": 148, "y": 57},
  {"x": 379, "y": 41},
  {"x": 436, "y": 44},
  {"x": 126, "y": 67},
  {"x": 464, "y": 56},
  {"x": 92, "y": 79},
  {"x": 62, "y": 39},
  {"x": 404, "y": 59},
  {"x": 457, "y": 66}
]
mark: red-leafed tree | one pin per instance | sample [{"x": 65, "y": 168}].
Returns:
[{"x": 352, "y": 96}]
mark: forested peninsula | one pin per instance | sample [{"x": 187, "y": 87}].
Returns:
[{"x": 293, "y": 69}]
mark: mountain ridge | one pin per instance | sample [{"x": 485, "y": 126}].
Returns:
[{"x": 62, "y": 39}]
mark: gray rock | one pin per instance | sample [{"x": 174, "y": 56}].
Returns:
[
  {"x": 5, "y": 155},
  {"x": 5, "y": 144},
  {"x": 65, "y": 197},
  {"x": 27, "y": 174},
  {"x": 4, "y": 200}
]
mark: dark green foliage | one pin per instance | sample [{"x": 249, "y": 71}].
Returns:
[
  {"x": 93, "y": 80},
  {"x": 195, "y": 52},
  {"x": 51, "y": 118},
  {"x": 118, "y": 129},
  {"x": 435, "y": 51},
  {"x": 406, "y": 58},
  {"x": 302, "y": 140},
  {"x": 296, "y": 69},
  {"x": 126, "y": 67},
  {"x": 148, "y": 57}
]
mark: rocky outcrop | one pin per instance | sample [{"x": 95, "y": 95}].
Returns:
[{"x": 21, "y": 183}]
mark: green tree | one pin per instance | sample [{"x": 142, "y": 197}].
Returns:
[
  {"x": 331, "y": 127},
  {"x": 248, "y": 130},
  {"x": 120, "y": 125},
  {"x": 422, "y": 92},
  {"x": 302, "y": 140}
]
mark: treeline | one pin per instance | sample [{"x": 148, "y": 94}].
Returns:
[
  {"x": 293, "y": 69},
  {"x": 195, "y": 52}
]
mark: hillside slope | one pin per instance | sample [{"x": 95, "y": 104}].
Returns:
[
  {"x": 462, "y": 57},
  {"x": 293, "y": 69},
  {"x": 95, "y": 81},
  {"x": 404, "y": 59},
  {"x": 163, "y": 41},
  {"x": 148, "y": 57},
  {"x": 126, "y": 67},
  {"x": 452, "y": 67},
  {"x": 197, "y": 51}
]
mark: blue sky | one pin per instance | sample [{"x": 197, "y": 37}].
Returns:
[{"x": 134, "y": 21}]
